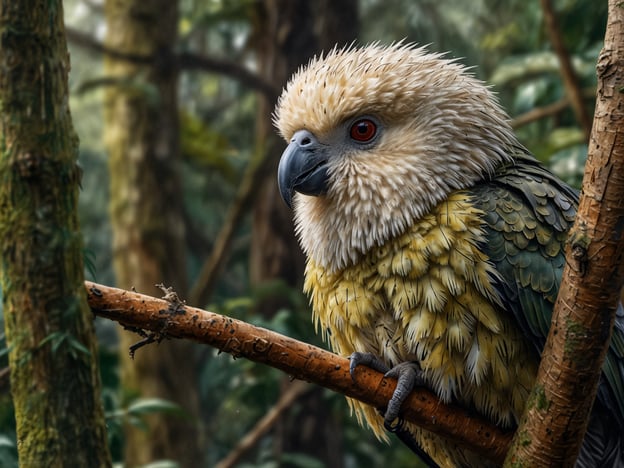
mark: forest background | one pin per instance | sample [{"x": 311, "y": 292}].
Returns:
[{"x": 172, "y": 103}]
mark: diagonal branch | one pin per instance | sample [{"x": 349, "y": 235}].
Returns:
[
  {"x": 570, "y": 80},
  {"x": 263, "y": 426},
  {"x": 206, "y": 280},
  {"x": 158, "y": 319}
]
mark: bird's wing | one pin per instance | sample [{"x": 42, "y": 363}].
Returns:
[
  {"x": 613, "y": 369},
  {"x": 527, "y": 213}
]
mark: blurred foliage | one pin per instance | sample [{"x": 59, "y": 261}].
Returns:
[{"x": 506, "y": 43}]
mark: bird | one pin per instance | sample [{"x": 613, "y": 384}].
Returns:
[{"x": 434, "y": 240}]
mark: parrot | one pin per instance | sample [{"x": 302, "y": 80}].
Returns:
[{"x": 434, "y": 240}]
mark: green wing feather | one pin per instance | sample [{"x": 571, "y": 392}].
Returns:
[{"x": 528, "y": 213}]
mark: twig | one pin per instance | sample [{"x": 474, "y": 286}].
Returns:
[
  {"x": 570, "y": 80},
  {"x": 300, "y": 360},
  {"x": 263, "y": 426},
  {"x": 148, "y": 338}
]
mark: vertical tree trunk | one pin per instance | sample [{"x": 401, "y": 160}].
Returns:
[
  {"x": 556, "y": 417},
  {"x": 142, "y": 138},
  {"x": 49, "y": 327},
  {"x": 287, "y": 34}
]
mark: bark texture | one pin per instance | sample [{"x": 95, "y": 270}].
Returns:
[
  {"x": 554, "y": 425},
  {"x": 142, "y": 137},
  {"x": 48, "y": 324},
  {"x": 157, "y": 319}
]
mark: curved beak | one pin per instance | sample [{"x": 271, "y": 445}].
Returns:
[{"x": 303, "y": 167}]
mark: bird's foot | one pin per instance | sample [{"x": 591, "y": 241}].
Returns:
[
  {"x": 409, "y": 375},
  {"x": 368, "y": 360}
]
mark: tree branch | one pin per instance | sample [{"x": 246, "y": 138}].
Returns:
[
  {"x": 547, "y": 110},
  {"x": 540, "y": 113},
  {"x": 265, "y": 424},
  {"x": 570, "y": 80},
  {"x": 555, "y": 421},
  {"x": 156, "y": 319},
  {"x": 86, "y": 41},
  {"x": 206, "y": 280},
  {"x": 183, "y": 61},
  {"x": 190, "y": 61}
]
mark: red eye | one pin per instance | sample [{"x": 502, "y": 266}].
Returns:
[{"x": 363, "y": 130}]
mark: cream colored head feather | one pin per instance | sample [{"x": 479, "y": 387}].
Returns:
[{"x": 440, "y": 130}]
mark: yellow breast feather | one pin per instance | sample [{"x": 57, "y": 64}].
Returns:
[{"x": 427, "y": 295}]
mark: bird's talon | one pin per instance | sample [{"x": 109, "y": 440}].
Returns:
[
  {"x": 408, "y": 375},
  {"x": 368, "y": 360},
  {"x": 390, "y": 427}
]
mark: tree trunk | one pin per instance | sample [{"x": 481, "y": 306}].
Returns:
[
  {"x": 286, "y": 35},
  {"x": 49, "y": 327},
  {"x": 552, "y": 429},
  {"x": 142, "y": 138}
]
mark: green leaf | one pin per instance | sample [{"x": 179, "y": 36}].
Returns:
[
  {"x": 6, "y": 442},
  {"x": 153, "y": 405},
  {"x": 88, "y": 257},
  {"x": 521, "y": 67},
  {"x": 565, "y": 137},
  {"x": 162, "y": 464},
  {"x": 78, "y": 346},
  {"x": 55, "y": 338}
]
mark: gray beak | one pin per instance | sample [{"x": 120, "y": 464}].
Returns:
[{"x": 303, "y": 167}]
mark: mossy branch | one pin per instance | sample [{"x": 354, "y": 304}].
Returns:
[{"x": 157, "y": 319}]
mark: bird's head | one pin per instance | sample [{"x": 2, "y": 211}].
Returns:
[{"x": 377, "y": 136}]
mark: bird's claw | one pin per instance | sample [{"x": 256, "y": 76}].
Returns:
[
  {"x": 408, "y": 374},
  {"x": 391, "y": 426},
  {"x": 368, "y": 360}
]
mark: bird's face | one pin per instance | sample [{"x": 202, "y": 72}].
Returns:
[
  {"x": 308, "y": 162},
  {"x": 376, "y": 137}
]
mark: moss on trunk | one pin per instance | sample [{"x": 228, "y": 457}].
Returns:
[{"x": 49, "y": 327}]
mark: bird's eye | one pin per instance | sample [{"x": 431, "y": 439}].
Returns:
[{"x": 363, "y": 130}]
